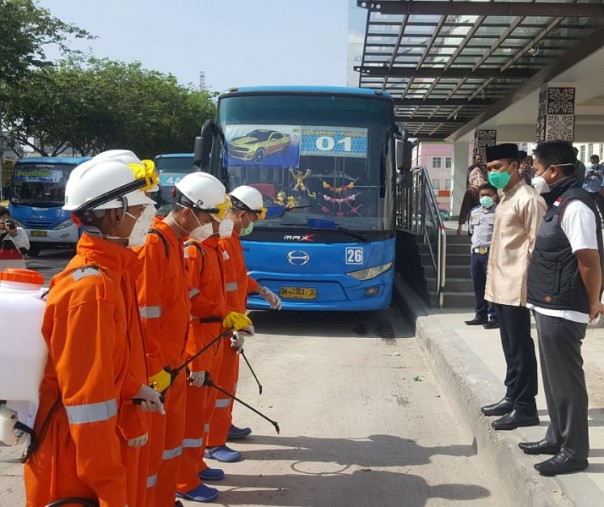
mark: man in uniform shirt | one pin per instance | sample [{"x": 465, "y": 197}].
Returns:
[
  {"x": 517, "y": 220},
  {"x": 481, "y": 229}
]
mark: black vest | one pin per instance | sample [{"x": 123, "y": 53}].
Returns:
[{"x": 554, "y": 280}]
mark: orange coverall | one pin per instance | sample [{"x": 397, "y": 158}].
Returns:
[
  {"x": 208, "y": 310},
  {"x": 164, "y": 309},
  {"x": 237, "y": 286},
  {"x": 95, "y": 367}
]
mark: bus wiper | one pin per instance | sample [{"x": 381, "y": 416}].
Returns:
[
  {"x": 278, "y": 210},
  {"x": 330, "y": 225}
]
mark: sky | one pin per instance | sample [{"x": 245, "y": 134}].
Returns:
[{"x": 235, "y": 42}]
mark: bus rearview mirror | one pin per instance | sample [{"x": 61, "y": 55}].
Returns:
[{"x": 404, "y": 155}]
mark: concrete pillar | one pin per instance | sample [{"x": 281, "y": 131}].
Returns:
[
  {"x": 458, "y": 174},
  {"x": 483, "y": 139},
  {"x": 556, "y": 117}
]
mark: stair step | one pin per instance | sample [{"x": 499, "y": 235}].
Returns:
[
  {"x": 453, "y": 299},
  {"x": 459, "y": 240},
  {"x": 452, "y": 259},
  {"x": 457, "y": 271},
  {"x": 451, "y": 249},
  {"x": 453, "y": 284}
]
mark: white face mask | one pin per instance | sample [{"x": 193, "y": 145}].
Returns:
[
  {"x": 540, "y": 185},
  {"x": 141, "y": 227},
  {"x": 226, "y": 228},
  {"x": 202, "y": 232}
]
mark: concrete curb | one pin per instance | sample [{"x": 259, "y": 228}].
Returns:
[{"x": 470, "y": 384}]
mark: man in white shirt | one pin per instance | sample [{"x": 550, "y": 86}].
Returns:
[
  {"x": 14, "y": 242},
  {"x": 564, "y": 290}
]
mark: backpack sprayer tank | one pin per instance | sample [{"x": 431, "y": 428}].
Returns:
[{"x": 23, "y": 352}]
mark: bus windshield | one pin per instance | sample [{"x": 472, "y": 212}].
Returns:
[
  {"x": 40, "y": 185},
  {"x": 320, "y": 156},
  {"x": 171, "y": 168}
]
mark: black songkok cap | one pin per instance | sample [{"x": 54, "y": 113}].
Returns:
[{"x": 502, "y": 151}]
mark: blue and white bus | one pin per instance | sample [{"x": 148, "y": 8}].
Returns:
[
  {"x": 325, "y": 161},
  {"x": 171, "y": 167},
  {"x": 36, "y": 199}
]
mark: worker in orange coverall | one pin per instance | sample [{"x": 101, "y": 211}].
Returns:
[
  {"x": 164, "y": 309},
  {"x": 89, "y": 432},
  {"x": 209, "y": 319},
  {"x": 247, "y": 208}
]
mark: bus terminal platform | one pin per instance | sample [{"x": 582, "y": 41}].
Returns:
[{"x": 469, "y": 364}]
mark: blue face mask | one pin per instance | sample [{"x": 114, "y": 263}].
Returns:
[{"x": 487, "y": 201}]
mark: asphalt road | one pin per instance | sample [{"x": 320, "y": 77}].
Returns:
[
  {"x": 363, "y": 421},
  {"x": 50, "y": 262}
]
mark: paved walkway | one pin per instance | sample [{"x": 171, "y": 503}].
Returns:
[{"x": 470, "y": 365}]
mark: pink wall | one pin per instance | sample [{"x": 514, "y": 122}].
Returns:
[{"x": 441, "y": 176}]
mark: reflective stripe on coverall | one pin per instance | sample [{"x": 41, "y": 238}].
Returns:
[
  {"x": 237, "y": 286},
  {"x": 164, "y": 309},
  {"x": 94, "y": 368},
  {"x": 206, "y": 286}
]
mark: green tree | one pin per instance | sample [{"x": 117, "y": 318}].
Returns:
[
  {"x": 25, "y": 29},
  {"x": 101, "y": 104}
]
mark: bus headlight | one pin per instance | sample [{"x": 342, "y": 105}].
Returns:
[
  {"x": 369, "y": 273},
  {"x": 64, "y": 224}
]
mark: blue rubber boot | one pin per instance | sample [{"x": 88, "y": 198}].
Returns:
[
  {"x": 211, "y": 474},
  {"x": 236, "y": 433},
  {"x": 201, "y": 493},
  {"x": 222, "y": 453}
]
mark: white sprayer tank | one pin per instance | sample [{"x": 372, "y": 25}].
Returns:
[{"x": 23, "y": 351}]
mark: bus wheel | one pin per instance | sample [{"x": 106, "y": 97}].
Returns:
[
  {"x": 33, "y": 251},
  {"x": 258, "y": 156}
]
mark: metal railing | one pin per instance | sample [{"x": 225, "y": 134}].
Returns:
[{"x": 417, "y": 212}]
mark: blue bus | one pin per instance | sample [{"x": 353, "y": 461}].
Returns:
[
  {"x": 171, "y": 167},
  {"x": 36, "y": 199},
  {"x": 325, "y": 161}
]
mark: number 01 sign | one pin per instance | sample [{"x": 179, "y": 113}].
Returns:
[{"x": 334, "y": 141}]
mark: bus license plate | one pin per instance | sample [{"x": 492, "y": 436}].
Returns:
[
  {"x": 39, "y": 233},
  {"x": 298, "y": 293}
]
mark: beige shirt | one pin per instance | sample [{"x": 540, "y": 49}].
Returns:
[{"x": 517, "y": 220}]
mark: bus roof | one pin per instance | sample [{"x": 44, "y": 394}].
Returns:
[
  {"x": 306, "y": 89},
  {"x": 175, "y": 155},
  {"x": 53, "y": 160}
]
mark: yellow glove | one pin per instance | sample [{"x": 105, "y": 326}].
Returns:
[
  {"x": 236, "y": 321},
  {"x": 160, "y": 381}
]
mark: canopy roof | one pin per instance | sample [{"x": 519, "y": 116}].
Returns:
[{"x": 453, "y": 65}]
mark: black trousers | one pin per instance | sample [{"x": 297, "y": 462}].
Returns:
[
  {"x": 478, "y": 271},
  {"x": 519, "y": 351},
  {"x": 564, "y": 383}
]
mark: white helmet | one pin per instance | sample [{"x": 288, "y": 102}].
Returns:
[
  {"x": 204, "y": 192},
  {"x": 248, "y": 199},
  {"x": 127, "y": 157},
  {"x": 102, "y": 184}
]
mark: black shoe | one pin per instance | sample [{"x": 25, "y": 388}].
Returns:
[
  {"x": 541, "y": 447},
  {"x": 493, "y": 324},
  {"x": 515, "y": 419},
  {"x": 476, "y": 322},
  {"x": 560, "y": 464},
  {"x": 502, "y": 407}
]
